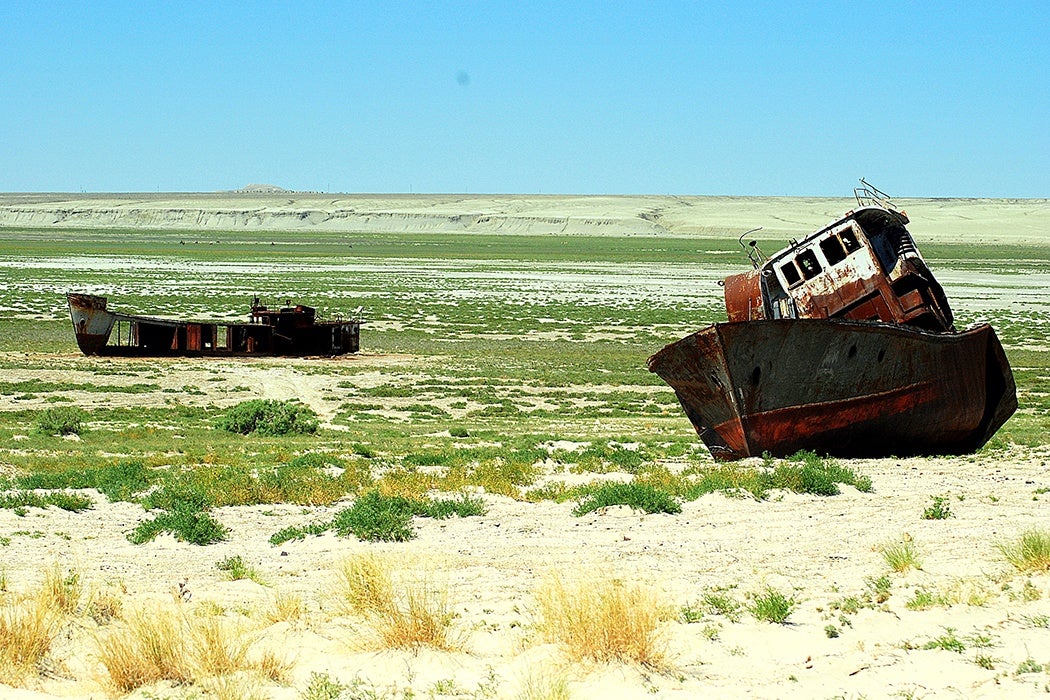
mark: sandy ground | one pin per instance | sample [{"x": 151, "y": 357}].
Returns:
[
  {"x": 981, "y": 220},
  {"x": 819, "y": 550}
]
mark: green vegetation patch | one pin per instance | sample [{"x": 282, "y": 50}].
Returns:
[
  {"x": 118, "y": 482},
  {"x": 636, "y": 495},
  {"x": 61, "y": 420},
  {"x": 186, "y": 522},
  {"x": 375, "y": 517},
  {"x": 269, "y": 417},
  {"x": 20, "y": 500}
]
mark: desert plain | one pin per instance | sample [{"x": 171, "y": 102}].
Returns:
[{"x": 503, "y": 361}]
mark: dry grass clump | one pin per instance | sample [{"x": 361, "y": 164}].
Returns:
[
  {"x": 151, "y": 645},
  {"x": 605, "y": 620},
  {"x": 364, "y": 584},
  {"x": 1030, "y": 553},
  {"x": 402, "y": 612},
  {"x": 157, "y": 644},
  {"x": 544, "y": 686},
  {"x": 286, "y": 607},
  {"x": 28, "y": 628},
  {"x": 61, "y": 590}
]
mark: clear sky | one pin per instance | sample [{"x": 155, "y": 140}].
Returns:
[{"x": 729, "y": 97}]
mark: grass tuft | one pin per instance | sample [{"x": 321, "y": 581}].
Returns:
[
  {"x": 901, "y": 556},
  {"x": 604, "y": 620},
  {"x": 772, "y": 606},
  {"x": 407, "y": 613},
  {"x": 236, "y": 569},
  {"x": 28, "y": 629},
  {"x": 1030, "y": 553},
  {"x": 150, "y": 646}
]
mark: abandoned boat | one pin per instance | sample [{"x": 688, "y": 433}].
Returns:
[
  {"x": 288, "y": 330},
  {"x": 842, "y": 343}
]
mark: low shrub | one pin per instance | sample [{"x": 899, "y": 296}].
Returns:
[
  {"x": 73, "y": 502},
  {"x": 186, "y": 523},
  {"x": 269, "y": 417},
  {"x": 639, "y": 496},
  {"x": 939, "y": 509},
  {"x": 118, "y": 482},
  {"x": 61, "y": 420},
  {"x": 772, "y": 606},
  {"x": 464, "y": 506},
  {"x": 807, "y": 472},
  {"x": 377, "y": 518}
]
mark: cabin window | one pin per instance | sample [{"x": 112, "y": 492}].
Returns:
[
  {"x": 807, "y": 262},
  {"x": 849, "y": 239},
  {"x": 790, "y": 273},
  {"x": 834, "y": 253}
]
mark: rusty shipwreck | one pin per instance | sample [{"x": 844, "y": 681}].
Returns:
[
  {"x": 843, "y": 343},
  {"x": 288, "y": 330}
]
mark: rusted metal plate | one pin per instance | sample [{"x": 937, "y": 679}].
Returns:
[
  {"x": 289, "y": 330},
  {"x": 842, "y": 388}
]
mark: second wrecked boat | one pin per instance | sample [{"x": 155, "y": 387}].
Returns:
[
  {"x": 288, "y": 330},
  {"x": 842, "y": 343}
]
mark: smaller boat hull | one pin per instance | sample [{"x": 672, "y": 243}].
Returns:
[
  {"x": 843, "y": 388},
  {"x": 92, "y": 322},
  {"x": 288, "y": 331}
]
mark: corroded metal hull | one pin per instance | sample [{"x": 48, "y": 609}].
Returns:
[
  {"x": 290, "y": 331},
  {"x": 92, "y": 322},
  {"x": 843, "y": 388}
]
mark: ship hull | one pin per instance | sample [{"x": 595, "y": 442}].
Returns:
[
  {"x": 289, "y": 334},
  {"x": 842, "y": 388}
]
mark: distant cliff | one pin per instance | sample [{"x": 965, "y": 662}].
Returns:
[{"x": 266, "y": 208}]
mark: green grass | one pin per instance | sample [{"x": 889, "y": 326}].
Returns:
[
  {"x": 1030, "y": 552},
  {"x": 639, "y": 496},
  {"x": 269, "y": 417},
  {"x": 771, "y": 605},
  {"x": 187, "y": 523},
  {"x": 939, "y": 509},
  {"x": 505, "y": 346}
]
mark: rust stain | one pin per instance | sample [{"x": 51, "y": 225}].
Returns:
[{"x": 842, "y": 343}]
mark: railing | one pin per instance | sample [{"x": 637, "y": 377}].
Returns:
[{"x": 870, "y": 195}]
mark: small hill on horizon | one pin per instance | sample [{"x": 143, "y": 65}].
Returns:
[{"x": 261, "y": 189}]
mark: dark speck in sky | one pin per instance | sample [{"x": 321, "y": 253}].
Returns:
[{"x": 463, "y": 78}]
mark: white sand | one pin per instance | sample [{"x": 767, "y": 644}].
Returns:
[{"x": 818, "y": 549}]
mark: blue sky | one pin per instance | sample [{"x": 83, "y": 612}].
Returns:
[{"x": 764, "y": 98}]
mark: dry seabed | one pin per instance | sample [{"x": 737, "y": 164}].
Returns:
[{"x": 982, "y": 632}]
